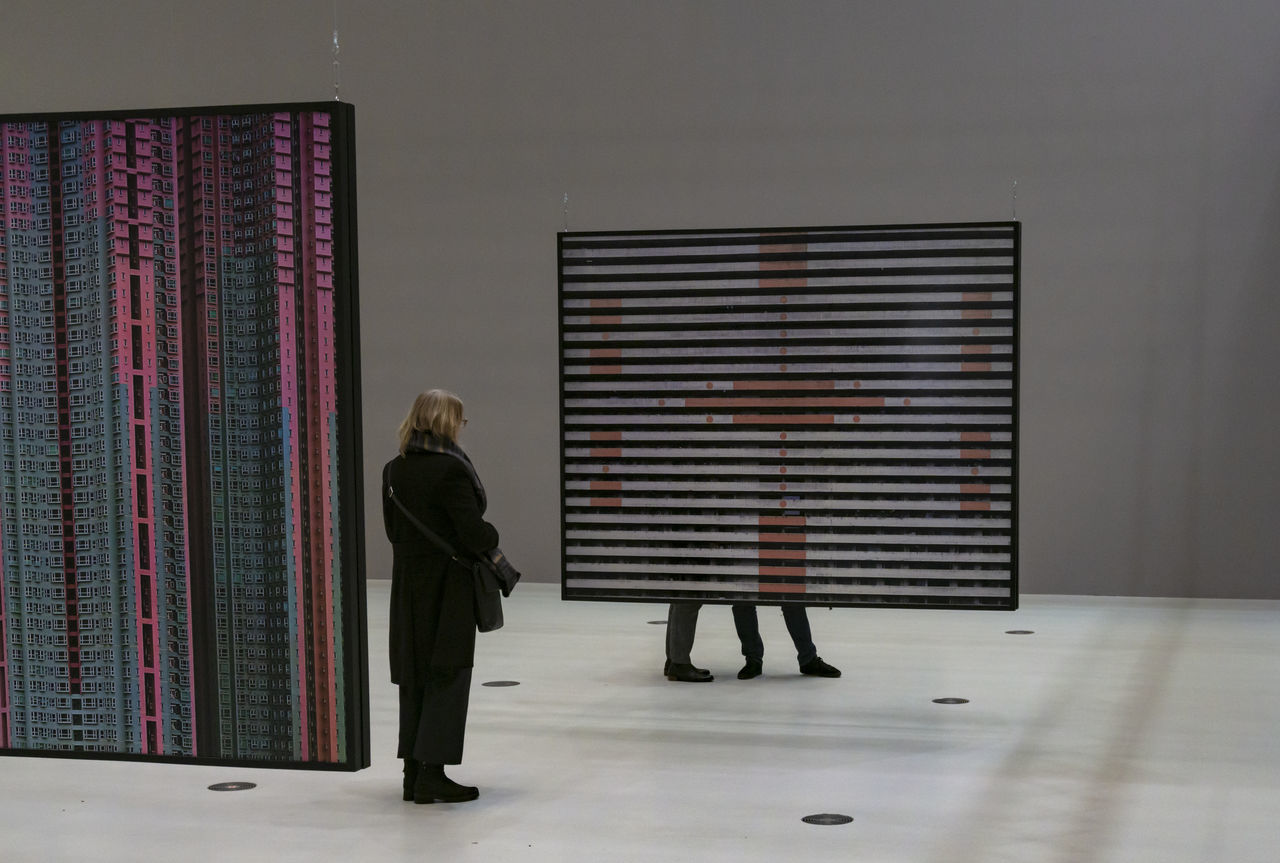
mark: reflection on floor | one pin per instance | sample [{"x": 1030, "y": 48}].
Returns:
[{"x": 1119, "y": 730}]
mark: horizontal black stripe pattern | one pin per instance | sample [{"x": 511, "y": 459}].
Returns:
[{"x": 823, "y": 416}]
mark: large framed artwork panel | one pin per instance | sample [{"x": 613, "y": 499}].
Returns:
[
  {"x": 181, "y": 561},
  {"x": 825, "y": 416}
]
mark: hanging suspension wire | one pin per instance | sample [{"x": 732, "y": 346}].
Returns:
[{"x": 336, "y": 64}]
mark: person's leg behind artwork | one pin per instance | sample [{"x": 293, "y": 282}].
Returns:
[
  {"x": 438, "y": 736},
  {"x": 682, "y": 624},
  {"x": 797, "y": 620},
  {"x": 747, "y": 623}
]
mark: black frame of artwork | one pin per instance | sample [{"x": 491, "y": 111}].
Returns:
[
  {"x": 624, "y": 289},
  {"x": 343, "y": 637}
]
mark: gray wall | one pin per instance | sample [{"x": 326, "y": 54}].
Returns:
[{"x": 1144, "y": 138}]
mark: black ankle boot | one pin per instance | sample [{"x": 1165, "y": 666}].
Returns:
[
  {"x": 410, "y": 777},
  {"x": 434, "y": 787}
]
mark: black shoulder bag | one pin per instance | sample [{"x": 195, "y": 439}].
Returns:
[{"x": 488, "y": 588}]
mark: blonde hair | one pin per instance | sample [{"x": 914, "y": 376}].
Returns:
[{"x": 436, "y": 411}]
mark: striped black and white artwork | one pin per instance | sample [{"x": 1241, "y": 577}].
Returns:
[{"x": 826, "y": 416}]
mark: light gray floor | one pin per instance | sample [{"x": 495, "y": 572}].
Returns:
[{"x": 1123, "y": 730}]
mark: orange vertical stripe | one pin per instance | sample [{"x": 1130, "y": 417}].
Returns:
[
  {"x": 786, "y": 419},
  {"x": 773, "y": 587},
  {"x": 783, "y": 554},
  {"x": 783, "y": 537},
  {"x": 782, "y": 521}
]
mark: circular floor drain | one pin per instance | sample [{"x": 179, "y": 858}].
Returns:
[
  {"x": 826, "y": 818},
  {"x": 1019, "y": 632},
  {"x": 501, "y": 683},
  {"x": 233, "y": 786},
  {"x": 950, "y": 701}
]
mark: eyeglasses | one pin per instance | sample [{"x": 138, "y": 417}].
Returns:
[{"x": 465, "y": 421}]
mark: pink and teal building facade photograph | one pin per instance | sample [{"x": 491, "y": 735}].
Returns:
[{"x": 170, "y": 557}]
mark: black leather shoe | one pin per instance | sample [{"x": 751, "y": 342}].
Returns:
[
  {"x": 753, "y": 668},
  {"x": 410, "y": 777},
  {"x": 818, "y": 668},
  {"x": 666, "y": 669},
  {"x": 433, "y": 787},
  {"x": 688, "y": 674}
]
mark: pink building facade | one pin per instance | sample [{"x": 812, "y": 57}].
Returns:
[{"x": 167, "y": 417}]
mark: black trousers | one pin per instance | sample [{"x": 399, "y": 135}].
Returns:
[
  {"x": 747, "y": 622},
  {"x": 433, "y": 716},
  {"x": 682, "y": 623}
]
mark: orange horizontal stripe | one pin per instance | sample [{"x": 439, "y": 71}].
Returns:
[
  {"x": 975, "y": 436},
  {"x": 975, "y": 313},
  {"x": 783, "y": 283},
  {"x": 975, "y": 367},
  {"x": 606, "y": 319},
  {"x": 783, "y": 265},
  {"x": 975, "y": 453},
  {"x": 786, "y": 419},
  {"x": 785, "y": 402},
  {"x": 975, "y": 349},
  {"x": 608, "y": 303},
  {"x": 782, "y": 521},
  {"x": 606, "y": 501},
  {"x": 605, "y": 485},
  {"x": 783, "y": 537},
  {"x": 606, "y": 370},
  {"x": 974, "y": 505},
  {"x": 782, "y": 554},
  {"x": 976, "y": 296},
  {"x": 783, "y": 570},
  {"x": 767, "y": 248},
  {"x": 606, "y": 435},
  {"x": 610, "y": 353},
  {"x": 773, "y": 587},
  {"x": 607, "y": 452},
  {"x": 975, "y": 489},
  {"x": 784, "y": 385}
]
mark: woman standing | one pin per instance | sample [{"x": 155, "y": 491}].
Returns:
[{"x": 433, "y": 624}]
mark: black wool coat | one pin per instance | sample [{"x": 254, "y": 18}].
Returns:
[{"x": 433, "y": 622}]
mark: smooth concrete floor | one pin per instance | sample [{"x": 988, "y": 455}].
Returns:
[{"x": 1124, "y": 730}]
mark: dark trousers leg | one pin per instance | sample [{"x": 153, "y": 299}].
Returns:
[
  {"x": 682, "y": 622},
  {"x": 433, "y": 717},
  {"x": 747, "y": 622},
  {"x": 797, "y": 620}
]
